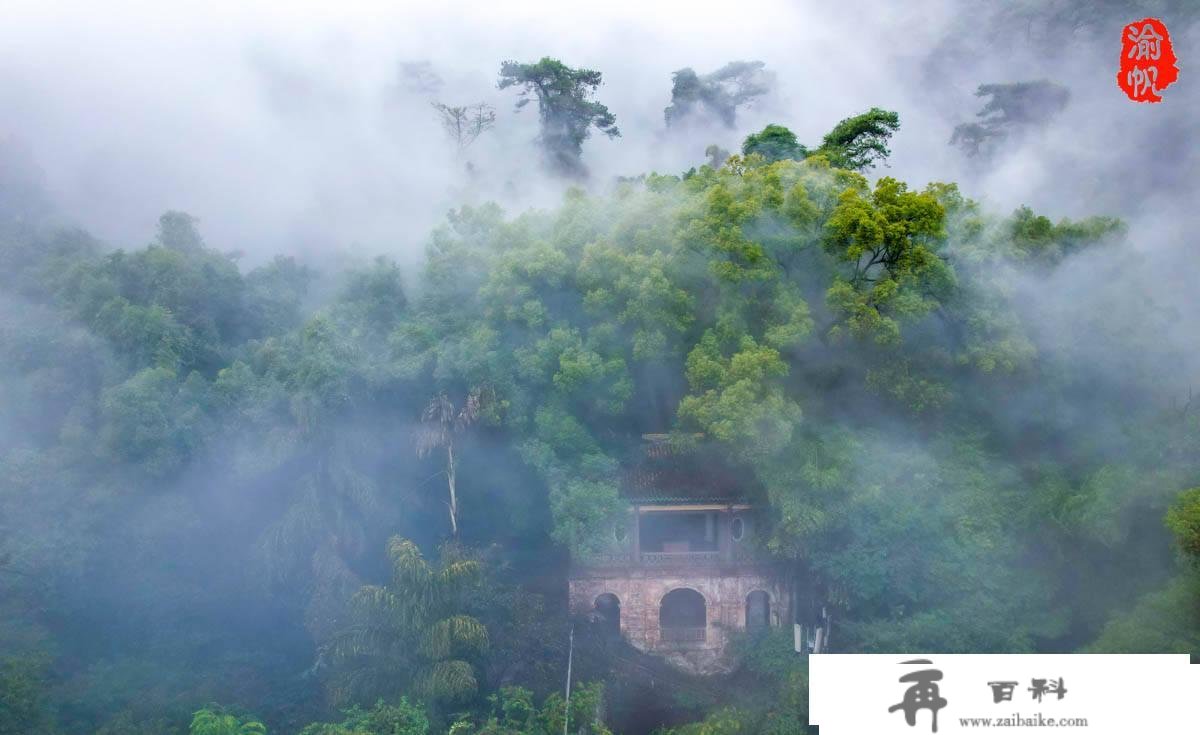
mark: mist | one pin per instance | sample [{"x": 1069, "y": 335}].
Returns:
[
  {"x": 295, "y": 130},
  {"x": 258, "y": 313}
]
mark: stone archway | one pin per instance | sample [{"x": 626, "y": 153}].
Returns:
[
  {"x": 758, "y": 610},
  {"x": 607, "y": 612},
  {"x": 683, "y": 616}
]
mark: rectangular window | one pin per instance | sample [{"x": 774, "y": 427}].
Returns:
[{"x": 678, "y": 532}]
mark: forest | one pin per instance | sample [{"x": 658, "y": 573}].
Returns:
[{"x": 341, "y": 498}]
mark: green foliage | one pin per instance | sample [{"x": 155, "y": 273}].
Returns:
[
  {"x": 23, "y": 706},
  {"x": 727, "y": 721},
  {"x": 402, "y": 718},
  {"x": 514, "y": 713},
  {"x": 1165, "y": 621},
  {"x": 774, "y": 143},
  {"x": 126, "y": 723},
  {"x": 858, "y": 142},
  {"x": 177, "y": 231},
  {"x": 855, "y": 144},
  {"x": 890, "y": 244},
  {"x": 1183, "y": 518},
  {"x": 275, "y": 294},
  {"x": 1038, "y": 239},
  {"x": 736, "y": 400},
  {"x": 216, "y": 720},
  {"x": 924, "y": 548},
  {"x": 188, "y": 450},
  {"x": 566, "y": 112},
  {"x": 580, "y": 507},
  {"x": 410, "y": 633},
  {"x": 154, "y": 420},
  {"x": 377, "y": 295}
]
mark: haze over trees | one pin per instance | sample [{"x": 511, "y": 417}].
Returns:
[
  {"x": 566, "y": 111},
  {"x": 442, "y": 422},
  {"x": 1011, "y": 111},
  {"x": 716, "y": 97},
  {"x": 464, "y": 125},
  {"x": 340, "y": 500},
  {"x": 420, "y": 77}
]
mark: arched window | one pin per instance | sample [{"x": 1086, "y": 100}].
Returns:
[
  {"x": 737, "y": 528},
  {"x": 683, "y": 616},
  {"x": 607, "y": 613},
  {"x": 758, "y": 610}
]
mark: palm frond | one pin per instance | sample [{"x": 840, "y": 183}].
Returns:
[
  {"x": 459, "y": 575},
  {"x": 469, "y": 413},
  {"x": 409, "y": 567},
  {"x": 448, "y": 680},
  {"x": 436, "y": 422},
  {"x": 375, "y": 598},
  {"x": 460, "y": 633}
]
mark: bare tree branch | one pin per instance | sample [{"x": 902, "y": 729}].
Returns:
[{"x": 465, "y": 124}]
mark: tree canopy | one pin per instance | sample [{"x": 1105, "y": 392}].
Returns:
[
  {"x": 565, "y": 109},
  {"x": 209, "y": 490},
  {"x": 855, "y": 144},
  {"x": 1011, "y": 110},
  {"x": 718, "y": 95}
]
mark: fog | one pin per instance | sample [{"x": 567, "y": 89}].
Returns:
[
  {"x": 291, "y": 129},
  {"x": 273, "y": 441}
]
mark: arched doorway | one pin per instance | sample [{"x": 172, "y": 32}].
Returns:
[
  {"x": 607, "y": 613},
  {"x": 758, "y": 610},
  {"x": 683, "y": 616}
]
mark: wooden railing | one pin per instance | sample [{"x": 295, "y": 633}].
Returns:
[{"x": 684, "y": 635}]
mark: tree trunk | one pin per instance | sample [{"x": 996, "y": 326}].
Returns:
[{"x": 453, "y": 492}]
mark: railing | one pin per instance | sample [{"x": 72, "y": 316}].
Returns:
[
  {"x": 668, "y": 558},
  {"x": 610, "y": 559},
  {"x": 684, "y": 635},
  {"x": 685, "y": 558}
]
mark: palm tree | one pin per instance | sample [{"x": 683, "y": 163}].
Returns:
[
  {"x": 411, "y": 634},
  {"x": 441, "y": 422},
  {"x": 215, "y": 720}
]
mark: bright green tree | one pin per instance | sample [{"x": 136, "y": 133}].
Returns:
[
  {"x": 774, "y": 143},
  {"x": 859, "y": 142}
]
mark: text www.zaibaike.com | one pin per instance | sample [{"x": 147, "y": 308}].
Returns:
[{"x": 1017, "y": 720}]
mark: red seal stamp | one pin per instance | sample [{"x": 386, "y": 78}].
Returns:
[{"x": 1147, "y": 60}]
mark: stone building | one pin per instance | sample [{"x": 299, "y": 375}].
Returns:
[{"x": 680, "y": 573}]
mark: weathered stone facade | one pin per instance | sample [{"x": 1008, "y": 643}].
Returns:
[
  {"x": 682, "y": 563},
  {"x": 640, "y": 592}
]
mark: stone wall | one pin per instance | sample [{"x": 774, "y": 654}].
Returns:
[{"x": 640, "y": 592}]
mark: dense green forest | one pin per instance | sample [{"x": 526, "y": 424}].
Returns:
[{"x": 271, "y": 499}]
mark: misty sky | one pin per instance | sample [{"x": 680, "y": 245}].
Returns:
[{"x": 289, "y": 128}]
